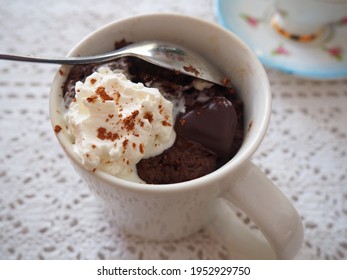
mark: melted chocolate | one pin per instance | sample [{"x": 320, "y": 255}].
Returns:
[{"x": 212, "y": 124}]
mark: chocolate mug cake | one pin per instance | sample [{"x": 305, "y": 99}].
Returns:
[{"x": 206, "y": 120}]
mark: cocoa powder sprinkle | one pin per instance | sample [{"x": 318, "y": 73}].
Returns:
[
  {"x": 129, "y": 121},
  {"x": 160, "y": 107},
  {"x": 103, "y": 134},
  {"x": 100, "y": 91},
  {"x": 92, "y": 99},
  {"x": 117, "y": 94},
  {"x": 125, "y": 143},
  {"x": 165, "y": 123},
  {"x": 148, "y": 116},
  {"x": 142, "y": 149},
  {"x": 103, "y": 94}
]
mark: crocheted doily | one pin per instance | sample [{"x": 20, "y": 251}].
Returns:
[{"x": 47, "y": 212}]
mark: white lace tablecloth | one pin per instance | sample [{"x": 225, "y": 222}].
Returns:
[{"x": 47, "y": 212}]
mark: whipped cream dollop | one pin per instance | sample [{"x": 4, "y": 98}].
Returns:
[{"x": 116, "y": 123}]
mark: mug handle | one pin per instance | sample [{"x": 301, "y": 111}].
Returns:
[{"x": 268, "y": 208}]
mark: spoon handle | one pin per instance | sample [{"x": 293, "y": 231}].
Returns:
[{"x": 61, "y": 60}]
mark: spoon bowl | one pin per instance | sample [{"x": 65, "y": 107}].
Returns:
[{"x": 164, "y": 54}]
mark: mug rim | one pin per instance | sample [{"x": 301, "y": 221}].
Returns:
[{"x": 222, "y": 172}]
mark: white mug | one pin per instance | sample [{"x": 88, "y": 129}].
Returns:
[
  {"x": 307, "y": 18},
  {"x": 173, "y": 211}
]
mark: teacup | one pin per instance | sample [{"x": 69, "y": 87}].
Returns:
[
  {"x": 173, "y": 211},
  {"x": 307, "y": 20}
]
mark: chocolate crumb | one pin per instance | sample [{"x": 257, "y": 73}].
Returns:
[
  {"x": 226, "y": 82},
  {"x": 191, "y": 69},
  {"x": 57, "y": 129}
]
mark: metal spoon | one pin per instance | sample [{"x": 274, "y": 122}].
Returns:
[{"x": 164, "y": 54}]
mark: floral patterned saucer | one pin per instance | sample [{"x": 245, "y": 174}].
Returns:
[{"x": 324, "y": 58}]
